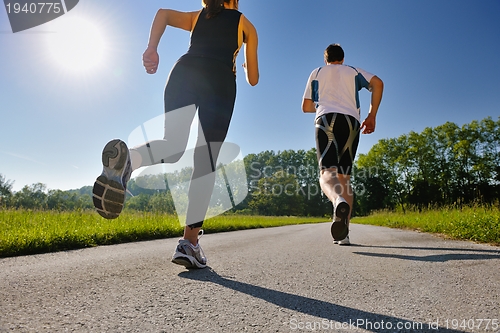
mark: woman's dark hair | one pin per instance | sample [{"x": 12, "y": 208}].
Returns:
[
  {"x": 214, "y": 7},
  {"x": 334, "y": 52}
]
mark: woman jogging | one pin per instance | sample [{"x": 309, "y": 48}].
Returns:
[{"x": 203, "y": 80}]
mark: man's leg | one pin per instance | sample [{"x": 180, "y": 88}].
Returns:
[
  {"x": 337, "y": 188},
  {"x": 337, "y": 138},
  {"x": 335, "y": 184},
  {"x": 330, "y": 184}
]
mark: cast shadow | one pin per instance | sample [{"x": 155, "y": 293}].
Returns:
[
  {"x": 471, "y": 254},
  {"x": 309, "y": 306}
]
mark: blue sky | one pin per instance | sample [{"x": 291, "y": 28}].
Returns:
[{"x": 438, "y": 60}]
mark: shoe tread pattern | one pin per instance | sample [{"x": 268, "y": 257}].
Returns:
[
  {"x": 339, "y": 228},
  {"x": 108, "y": 192},
  {"x": 111, "y": 151}
]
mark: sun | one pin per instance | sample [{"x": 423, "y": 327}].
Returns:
[{"x": 76, "y": 45}]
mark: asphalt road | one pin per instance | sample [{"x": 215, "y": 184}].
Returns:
[{"x": 286, "y": 279}]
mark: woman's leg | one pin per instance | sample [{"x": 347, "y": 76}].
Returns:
[
  {"x": 173, "y": 145},
  {"x": 201, "y": 187},
  {"x": 216, "y": 104}
]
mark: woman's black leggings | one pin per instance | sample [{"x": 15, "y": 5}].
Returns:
[{"x": 210, "y": 86}]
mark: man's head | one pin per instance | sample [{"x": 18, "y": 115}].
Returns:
[{"x": 334, "y": 53}]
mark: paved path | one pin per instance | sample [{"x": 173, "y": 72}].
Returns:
[{"x": 287, "y": 279}]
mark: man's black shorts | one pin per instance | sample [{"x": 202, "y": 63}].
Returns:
[{"x": 337, "y": 139}]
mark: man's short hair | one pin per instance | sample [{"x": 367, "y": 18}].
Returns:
[{"x": 334, "y": 52}]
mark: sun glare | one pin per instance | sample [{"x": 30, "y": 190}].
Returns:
[{"x": 77, "y": 45}]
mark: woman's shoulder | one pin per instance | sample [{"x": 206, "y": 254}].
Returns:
[{"x": 247, "y": 25}]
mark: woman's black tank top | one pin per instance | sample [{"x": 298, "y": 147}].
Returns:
[{"x": 216, "y": 37}]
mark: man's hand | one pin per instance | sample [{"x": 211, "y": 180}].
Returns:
[
  {"x": 150, "y": 60},
  {"x": 368, "y": 125}
]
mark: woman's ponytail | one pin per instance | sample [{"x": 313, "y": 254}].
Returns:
[{"x": 214, "y": 7}]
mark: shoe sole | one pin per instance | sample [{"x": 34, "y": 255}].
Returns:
[
  {"x": 339, "y": 229},
  {"x": 342, "y": 243},
  {"x": 108, "y": 193},
  {"x": 183, "y": 262},
  {"x": 187, "y": 262}
]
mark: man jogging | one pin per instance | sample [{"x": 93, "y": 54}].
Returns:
[{"x": 332, "y": 93}]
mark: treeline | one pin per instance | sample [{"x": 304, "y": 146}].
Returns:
[
  {"x": 275, "y": 184},
  {"x": 442, "y": 166},
  {"x": 37, "y": 196}
]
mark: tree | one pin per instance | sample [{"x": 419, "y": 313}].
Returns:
[
  {"x": 5, "y": 189},
  {"x": 162, "y": 203},
  {"x": 139, "y": 202},
  {"x": 278, "y": 195},
  {"x": 439, "y": 166},
  {"x": 445, "y": 169},
  {"x": 31, "y": 197},
  {"x": 300, "y": 164},
  {"x": 67, "y": 200}
]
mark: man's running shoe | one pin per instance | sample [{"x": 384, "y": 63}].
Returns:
[
  {"x": 188, "y": 255},
  {"x": 339, "y": 228},
  {"x": 110, "y": 187},
  {"x": 344, "y": 241}
]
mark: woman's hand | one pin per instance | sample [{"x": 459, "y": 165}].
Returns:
[{"x": 150, "y": 60}]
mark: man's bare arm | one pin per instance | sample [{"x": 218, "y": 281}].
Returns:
[
  {"x": 308, "y": 106},
  {"x": 377, "y": 89}
]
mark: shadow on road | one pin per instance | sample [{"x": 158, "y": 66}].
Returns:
[
  {"x": 357, "y": 319},
  {"x": 471, "y": 254}
]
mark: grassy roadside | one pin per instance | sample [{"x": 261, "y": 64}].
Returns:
[
  {"x": 31, "y": 232},
  {"x": 479, "y": 224}
]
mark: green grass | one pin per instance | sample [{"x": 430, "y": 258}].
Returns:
[
  {"x": 479, "y": 224},
  {"x": 30, "y": 232}
]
